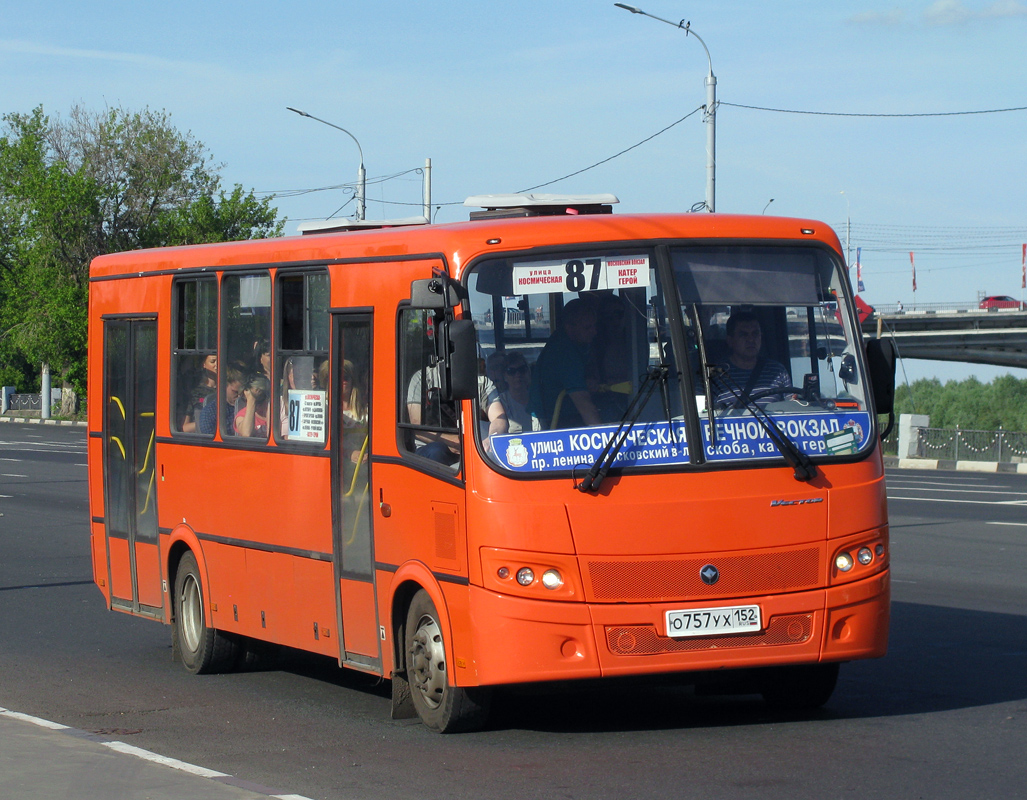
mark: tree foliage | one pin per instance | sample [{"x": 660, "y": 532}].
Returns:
[
  {"x": 93, "y": 183},
  {"x": 1002, "y": 403}
]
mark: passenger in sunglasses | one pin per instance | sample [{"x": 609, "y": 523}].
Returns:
[{"x": 517, "y": 375}]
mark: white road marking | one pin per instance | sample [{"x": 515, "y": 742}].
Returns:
[
  {"x": 146, "y": 755},
  {"x": 961, "y": 500},
  {"x": 174, "y": 763},
  {"x": 961, "y": 491}
]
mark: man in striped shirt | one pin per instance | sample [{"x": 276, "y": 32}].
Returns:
[{"x": 747, "y": 373}]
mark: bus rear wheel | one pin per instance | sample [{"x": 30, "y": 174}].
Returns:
[
  {"x": 799, "y": 688},
  {"x": 202, "y": 649},
  {"x": 442, "y": 707}
]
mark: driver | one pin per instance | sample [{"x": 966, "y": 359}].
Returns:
[{"x": 747, "y": 373}]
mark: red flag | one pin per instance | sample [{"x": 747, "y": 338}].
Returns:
[
  {"x": 913, "y": 265},
  {"x": 1023, "y": 268}
]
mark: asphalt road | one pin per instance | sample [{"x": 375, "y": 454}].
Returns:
[{"x": 944, "y": 715}]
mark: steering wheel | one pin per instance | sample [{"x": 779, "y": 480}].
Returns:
[{"x": 782, "y": 390}]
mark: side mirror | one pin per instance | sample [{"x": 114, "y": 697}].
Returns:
[
  {"x": 463, "y": 360},
  {"x": 881, "y": 366},
  {"x": 847, "y": 370},
  {"x": 432, "y": 293}
]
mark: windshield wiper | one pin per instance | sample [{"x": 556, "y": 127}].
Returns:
[
  {"x": 657, "y": 375},
  {"x": 802, "y": 465},
  {"x": 706, "y": 371}
]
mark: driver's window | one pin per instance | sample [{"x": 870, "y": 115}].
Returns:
[{"x": 428, "y": 425}]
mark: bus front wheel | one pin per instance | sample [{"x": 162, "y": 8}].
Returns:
[
  {"x": 201, "y": 649},
  {"x": 442, "y": 707}
]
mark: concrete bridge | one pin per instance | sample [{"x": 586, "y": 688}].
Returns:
[{"x": 995, "y": 336}]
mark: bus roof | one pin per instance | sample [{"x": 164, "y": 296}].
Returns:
[{"x": 460, "y": 242}]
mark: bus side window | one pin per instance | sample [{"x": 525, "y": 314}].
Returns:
[
  {"x": 301, "y": 391},
  {"x": 246, "y": 328},
  {"x": 194, "y": 353},
  {"x": 428, "y": 425}
]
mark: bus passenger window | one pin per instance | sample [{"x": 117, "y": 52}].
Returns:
[
  {"x": 194, "y": 356},
  {"x": 246, "y": 326},
  {"x": 301, "y": 393}
]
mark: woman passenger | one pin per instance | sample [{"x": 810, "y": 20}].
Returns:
[
  {"x": 252, "y": 419},
  {"x": 517, "y": 376}
]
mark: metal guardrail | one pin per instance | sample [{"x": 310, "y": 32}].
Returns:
[
  {"x": 25, "y": 402},
  {"x": 891, "y": 309},
  {"x": 958, "y": 444}
]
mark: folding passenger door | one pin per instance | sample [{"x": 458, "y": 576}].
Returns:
[
  {"x": 130, "y": 486},
  {"x": 353, "y": 492}
]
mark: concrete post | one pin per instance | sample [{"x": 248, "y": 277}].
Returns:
[
  {"x": 44, "y": 395},
  {"x": 909, "y": 433},
  {"x": 5, "y": 399}
]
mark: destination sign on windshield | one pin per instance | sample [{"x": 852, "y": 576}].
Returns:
[{"x": 586, "y": 274}]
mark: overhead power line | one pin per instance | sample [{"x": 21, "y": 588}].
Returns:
[
  {"x": 854, "y": 114},
  {"x": 616, "y": 155}
]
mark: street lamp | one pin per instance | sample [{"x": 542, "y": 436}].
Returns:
[
  {"x": 771, "y": 200},
  {"x": 710, "y": 117},
  {"x": 361, "y": 174}
]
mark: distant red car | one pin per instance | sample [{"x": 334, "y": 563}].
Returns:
[{"x": 1001, "y": 301}]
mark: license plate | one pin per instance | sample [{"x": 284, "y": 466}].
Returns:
[{"x": 708, "y": 621}]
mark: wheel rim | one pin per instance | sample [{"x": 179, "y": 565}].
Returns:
[
  {"x": 428, "y": 661},
  {"x": 191, "y": 613}
]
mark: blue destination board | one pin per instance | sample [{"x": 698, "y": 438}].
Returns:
[{"x": 665, "y": 443}]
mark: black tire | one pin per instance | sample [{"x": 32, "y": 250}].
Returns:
[
  {"x": 442, "y": 707},
  {"x": 202, "y": 649},
  {"x": 799, "y": 688}
]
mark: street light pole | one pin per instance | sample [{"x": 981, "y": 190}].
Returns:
[
  {"x": 710, "y": 116},
  {"x": 361, "y": 174}
]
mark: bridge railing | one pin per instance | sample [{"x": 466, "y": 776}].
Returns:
[
  {"x": 926, "y": 308},
  {"x": 960, "y": 444}
]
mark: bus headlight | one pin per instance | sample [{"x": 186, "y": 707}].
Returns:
[
  {"x": 539, "y": 576},
  {"x": 552, "y": 579},
  {"x": 843, "y": 561},
  {"x": 864, "y": 556}
]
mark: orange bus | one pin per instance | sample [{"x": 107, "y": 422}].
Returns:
[{"x": 548, "y": 443}]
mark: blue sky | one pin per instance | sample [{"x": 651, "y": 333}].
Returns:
[{"x": 505, "y": 96}]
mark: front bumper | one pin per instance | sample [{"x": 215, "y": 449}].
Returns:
[{"x": 517, "y": 640}]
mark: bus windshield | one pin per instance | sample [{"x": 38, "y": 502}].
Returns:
[{"x": 584, "y": 346}]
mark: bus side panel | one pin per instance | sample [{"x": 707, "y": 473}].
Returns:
[
  {"x": 98, "y": 549},
  {"x": 275, "y": 501},
  {"x": 358, "y": 602},
  {"x": 312, "y": 607},
  {"x": 267, "y": 591},
  {"x": 121, "y": 568},
  {"x": 248, "y": 495},
  {"x": 226, "y": 566},
  {"x": 148, "y": 563}
]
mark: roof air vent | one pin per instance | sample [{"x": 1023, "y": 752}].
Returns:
[{"x": 503, "y": 206}]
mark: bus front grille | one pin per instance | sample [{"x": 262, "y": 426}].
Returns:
[{"x": 656, "y": 580}]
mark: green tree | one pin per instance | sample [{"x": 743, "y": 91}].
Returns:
[
  {"x": 93, "y": 183},
  {"x": 967, "y": 403}
]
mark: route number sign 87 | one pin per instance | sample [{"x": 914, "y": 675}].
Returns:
[{"x": 585, "y": 274}]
